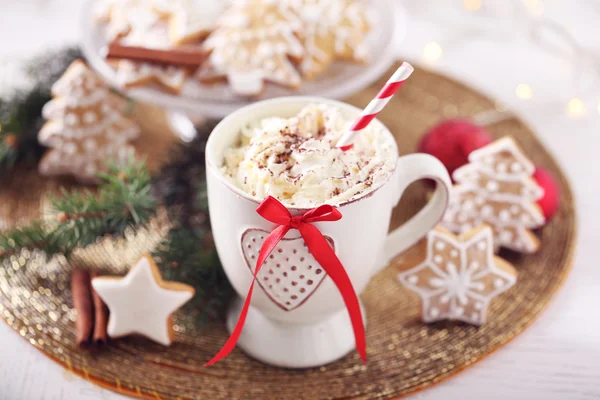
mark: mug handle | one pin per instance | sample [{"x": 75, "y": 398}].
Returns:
[{"x": 410, "y": 169}]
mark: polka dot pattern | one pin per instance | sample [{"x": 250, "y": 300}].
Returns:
[{"x": 290, "y": 274}]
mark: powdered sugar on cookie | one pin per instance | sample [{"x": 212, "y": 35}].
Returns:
[
  {"x": 256, "y": 43},
  {"x": 331, "y": 29}
]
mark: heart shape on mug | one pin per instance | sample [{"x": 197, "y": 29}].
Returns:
[{"x": 290, "y": 275}]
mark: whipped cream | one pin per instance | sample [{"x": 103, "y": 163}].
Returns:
[{"x": 295, "y": 159}]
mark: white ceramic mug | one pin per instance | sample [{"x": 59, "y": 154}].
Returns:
[{"x": 297, "y": 318}]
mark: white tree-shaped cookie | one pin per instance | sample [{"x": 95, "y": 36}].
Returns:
[
  {"x": 86, "y": 128},
  {"x": 331, "y": 29},
  {"x": 256, "y": 42},
  {"x": 496, "y": 188},
  {"x": 459, "y": 276}
]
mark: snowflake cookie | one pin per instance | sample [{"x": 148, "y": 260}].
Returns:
[
  {"x": 496, "y": 188},
  {"x": 256, "y": 42},
  {"x": 86, "y": 128},
  {"x": 330, "y": 30},
  {"x": 459, "y": 276}
]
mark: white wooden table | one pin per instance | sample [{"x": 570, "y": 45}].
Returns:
[{"x": 559, "y": 356}]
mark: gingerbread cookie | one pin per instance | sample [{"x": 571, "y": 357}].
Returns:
[
  {"x": 193, "y": 20},
  {"x": 168, "y": 77},
  {"x": 331, "y": 29},
  {"x": 496, "y": 188},
  {"x": 459, "y": 276},
  {"x": 151, "y": 35},
  {"x": 141, "y": 302},
  {"x": 86, "y": 128},
  {"x": 255, "y": 43},
  {"x": 154, "y": 35},
  {"x": 121, "y": 17}
]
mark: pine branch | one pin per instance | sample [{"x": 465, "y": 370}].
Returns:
[
  {"x": 183, "y": 257},
  {"x": 188, "y": 254},
  {"x": 123, "y": 200}
]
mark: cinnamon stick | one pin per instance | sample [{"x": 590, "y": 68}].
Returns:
[
  {"x": 100, "y": 335},
  {"x": 184, "y": 56},
  {"x": 82, "y": 301}
]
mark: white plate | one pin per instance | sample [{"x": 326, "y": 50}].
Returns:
[{"x": 339, "y": 81}]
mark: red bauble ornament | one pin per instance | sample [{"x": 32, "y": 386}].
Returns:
[
  {"x": 452, "y": 141},
  {"x": 551, "y": 199}
]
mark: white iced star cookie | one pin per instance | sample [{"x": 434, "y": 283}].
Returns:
[
  {"x": 459, "y": 276},
  {"x": 141, "y": 302}
]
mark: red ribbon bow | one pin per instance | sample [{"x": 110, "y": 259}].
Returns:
[{"x": 272, "y": 210}]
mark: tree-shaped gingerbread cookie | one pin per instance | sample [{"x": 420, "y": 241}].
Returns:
[
  {"x": 256, "y": 43},
  {"x": 331, "y": 30},
  {"x": 86, "y": 128},
  {"x": 496, "y": 188}
]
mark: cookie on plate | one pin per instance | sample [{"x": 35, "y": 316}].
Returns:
[
  {"x": 193, "y": 20},
  {"x": 255, "y": 43},
  {"x": 134, "y": 74},
  {"x": 330, "y": 30}
]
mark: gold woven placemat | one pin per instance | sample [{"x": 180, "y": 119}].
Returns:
[{"x": 404, "y": 354}]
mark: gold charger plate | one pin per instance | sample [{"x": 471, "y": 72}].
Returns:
[{"x": 405, "y": 355}]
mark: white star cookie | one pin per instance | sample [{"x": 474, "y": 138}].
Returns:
[
  {"x": 141, "y": 302},
  {"x": 496, "y": 188},
  {"x": 459, "y": 276}
]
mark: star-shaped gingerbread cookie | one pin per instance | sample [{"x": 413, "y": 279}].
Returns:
[
  {"x": 141, "y": 302},
  {"x": 459, "y": 276}
]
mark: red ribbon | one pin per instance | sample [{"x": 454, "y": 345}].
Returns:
[{"x": 272, "y": 210}]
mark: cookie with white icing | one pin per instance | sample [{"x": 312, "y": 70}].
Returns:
[
  {"x": 256, "y": 43},
  {"x": 120, "y": 17},
  {"x": 133, "y": 74},
  {"x": 142, "y": 302},
  {"x": 459, "y": 276},
  {"x": 331, "y": 29},
  {"x": 193, "y": 20},
  {"x": 496, "y": 188},
  {"x": 86, "y": 128}
]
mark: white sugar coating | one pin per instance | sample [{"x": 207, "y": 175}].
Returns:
[{"x": 295, "y": 160}]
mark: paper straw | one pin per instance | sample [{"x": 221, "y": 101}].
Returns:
[{"x": 377, "y": 104}]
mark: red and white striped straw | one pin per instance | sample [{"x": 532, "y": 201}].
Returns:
[{"x": 377, "y": 104}]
